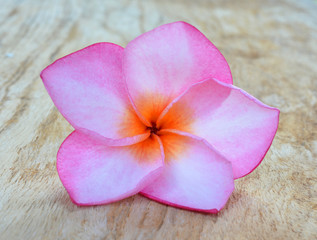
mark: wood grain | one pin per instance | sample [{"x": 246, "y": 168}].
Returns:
[{"x": 271, "y": 48}]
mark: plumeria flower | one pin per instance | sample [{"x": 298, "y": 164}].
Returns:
[{"x": 160, "y": 117}]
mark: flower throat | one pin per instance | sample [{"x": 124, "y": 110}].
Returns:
[{"x": 153, "y": 128}]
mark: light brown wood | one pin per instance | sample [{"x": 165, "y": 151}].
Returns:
[{"x": 271, "y": 47}]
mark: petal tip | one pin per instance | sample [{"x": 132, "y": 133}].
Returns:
[
  {"x": 206, "y": 211},
  {"x": 78, "y": 51}
]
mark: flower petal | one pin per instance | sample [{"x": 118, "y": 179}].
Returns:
[
  {"x": 88, "y": 89},
  {"x": 239, "y": 126},
  {"x": 94, "y": 173},
  {"x": 195, "y": 176},
  {"x": 165, "y": 61}
]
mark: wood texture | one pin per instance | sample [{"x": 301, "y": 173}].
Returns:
[{"x": 271, "y": 47}]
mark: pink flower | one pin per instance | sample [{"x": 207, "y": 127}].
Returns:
[{"x": 159, "y": 118}]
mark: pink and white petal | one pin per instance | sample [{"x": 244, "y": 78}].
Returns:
[
  {"x": 195, "y": 176},
  {"x": 94, "y": 173},
  {"x": 239, "y": 126},
  {"x": 116, "y": 142},
  {"x": 88, "y": 89},
  {"x": 165, "y": 61}
]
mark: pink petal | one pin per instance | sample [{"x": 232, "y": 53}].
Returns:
[
  {"x": 87, "y": 87},
  {"x": 195, "y": 176},
  {"x": 162, "y": 63},
  {"x": 94, "y": 173},
  {"x": 239, "y": 126}
]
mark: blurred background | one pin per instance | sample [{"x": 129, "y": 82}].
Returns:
[{"x": 271, "y": 48}]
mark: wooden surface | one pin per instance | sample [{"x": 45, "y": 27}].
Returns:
[{"x": 271, "y": 47}]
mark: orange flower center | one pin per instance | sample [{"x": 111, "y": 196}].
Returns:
[
  {"x": 178, "y": 117},
  {"x": 153, "y": 128},
  {"x": 151, "y": 107}
]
